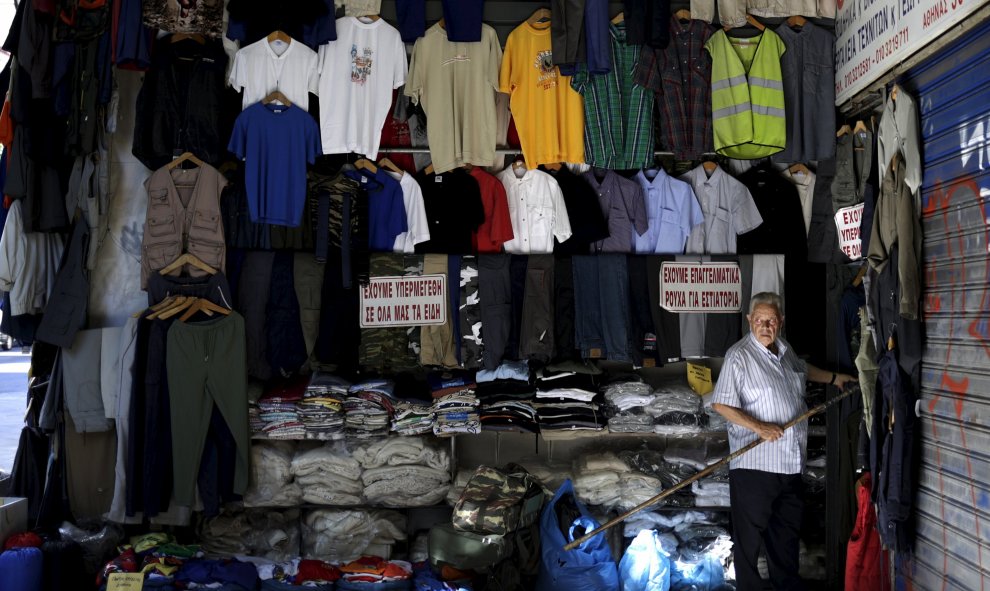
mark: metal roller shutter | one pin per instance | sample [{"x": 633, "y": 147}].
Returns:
[{"x": 953, "y": 503}]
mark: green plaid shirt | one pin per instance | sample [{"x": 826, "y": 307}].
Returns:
[{"x": 618, "y": 114}]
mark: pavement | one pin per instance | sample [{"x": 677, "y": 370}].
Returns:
[{"x": 14, "y": 367}]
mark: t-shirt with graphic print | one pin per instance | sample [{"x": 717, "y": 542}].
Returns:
[
  {"x": 549, "y": 114},
  {"x": 358, "y": 72}
]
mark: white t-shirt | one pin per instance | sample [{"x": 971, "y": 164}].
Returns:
[
  {"x": 263, "y": 67},
  {"x": 419, "y": 227},
  {"x": 358, "y": 72}
]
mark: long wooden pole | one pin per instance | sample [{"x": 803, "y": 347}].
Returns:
[{"x": 650, "y": 502}]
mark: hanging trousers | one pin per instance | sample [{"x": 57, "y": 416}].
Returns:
[{"x": 207, "y": 365}]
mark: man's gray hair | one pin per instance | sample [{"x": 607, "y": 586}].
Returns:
[{"x": 767, "y": 298}]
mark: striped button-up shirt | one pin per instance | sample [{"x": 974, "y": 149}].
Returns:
[{"x": 770, "y": 388}]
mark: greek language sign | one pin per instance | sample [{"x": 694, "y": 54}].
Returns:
[
  {"x": 700, "y": 287},
  {"x": 404, "y": 301},
  {"x": 873, "y": 36},
  {"x": 847, "y": 222}
]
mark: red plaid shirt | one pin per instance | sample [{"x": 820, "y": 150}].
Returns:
[{"x": 681, "y": 76}]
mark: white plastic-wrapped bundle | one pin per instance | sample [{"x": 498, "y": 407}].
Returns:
[
  {"x": 400, "y": 451},
  {"x": 270, "y": 483}
]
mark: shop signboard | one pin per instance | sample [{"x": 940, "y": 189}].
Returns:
[
  {"x": 873, "y": 36},
  {"x": 419, "y": 300},
  {"x": 700, "y": 287},
  {"x": 847, "y": 222}
]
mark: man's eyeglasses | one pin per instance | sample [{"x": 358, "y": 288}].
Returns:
[{"x": 771, "y": 322}]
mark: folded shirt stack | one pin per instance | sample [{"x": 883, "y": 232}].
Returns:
[
  {"x": 322, "y": 408},
  {"x": 328, "y": 475},
  {"x": 576, "y": 416},
  {"x": 711, "y": 492},
  {"x": 368, "y": 409},
  {"x": 456, "y": 413},
  {"x": 510, "y": 381},
  {"x": 450, "y": 382},
  {"x": 676, "y": 410},
  {"x": 412, "y": 417},
  {"x": 509, "y": 416},
  {"x": 626, "y": 401},
  {"x": 605, "y": 480}
]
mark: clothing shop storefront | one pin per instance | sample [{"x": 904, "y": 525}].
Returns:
[{"x": 410, "y": 294}]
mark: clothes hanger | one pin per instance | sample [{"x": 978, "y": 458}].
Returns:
[
  {"x": 554, "y": 166},
  {"x": 389, "y": 165},
  {"x": 428, "y": 169},
  {"x": 845, "y": 129},
  {"x": 276, "y": 95},
  {"x": 752, "y": 20},
  {"x": 859, "y": 276},
  {"x": 541, "y": 16},
  {"x": 188, "y": 258},
  {"x": 365, "y": 164},
  {"x": 442, "y": 23},
  {"x": 181, "y": 303},
  {"x": 860, "y": 127},
  {"x": 205, "y": 306},
  {"x": 197, "y": 37},
  {"x": 618, "y": 18},
  {"x": 278, "y": 35},
  {"x": 683, "y": 14},
  {"x": 710, "y": 166},
  {"x": 796, "y": 22},
  {"x": 893, "y": 93},
  {"x": 370, "y": 18},
  {"x": 799, "y": 167},
  {"x": 156, "y": 307},
  {"x": 185, "y": 157}
]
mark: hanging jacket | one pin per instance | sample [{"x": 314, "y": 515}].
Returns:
[
  {"x": 864, "y": 553},
  {"x": 748, "y": 117}
]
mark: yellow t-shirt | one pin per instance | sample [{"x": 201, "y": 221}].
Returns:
[{"x": 549, "y": 114}]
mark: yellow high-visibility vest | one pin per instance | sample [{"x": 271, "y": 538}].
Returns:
[{"x": 748, "y": 119}]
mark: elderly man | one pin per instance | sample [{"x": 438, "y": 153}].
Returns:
[{"x": 761, "y": 388}]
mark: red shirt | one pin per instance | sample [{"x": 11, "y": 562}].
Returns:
[{"x": 497, "y": 227}]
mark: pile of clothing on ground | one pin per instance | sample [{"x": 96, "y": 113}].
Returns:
[{"x": 696, "y": 544}]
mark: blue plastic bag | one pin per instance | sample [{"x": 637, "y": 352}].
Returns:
[
  {"x": 703, "y": 575},
  {"x": 589, "y": 567},
  {"x": 645, "y": 566}
]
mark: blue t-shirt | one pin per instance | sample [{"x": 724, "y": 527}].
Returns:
[
  {"x": 275, "y": 142},
  {"x": 386, "y": 208}
]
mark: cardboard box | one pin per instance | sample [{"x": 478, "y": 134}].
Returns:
[{"x": 13, "y": 516}]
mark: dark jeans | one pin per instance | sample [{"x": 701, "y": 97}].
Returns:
[
  {"x": 495, "y": 289},
  {"x": 601, "y": 306},
  {"x": 766, "y": 510},
  {"x": 536, "y": 329}
]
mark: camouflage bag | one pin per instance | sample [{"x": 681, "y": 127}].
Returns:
[
  {"x": 466, "y": 550},
  {"x": 498, "y": 501}
]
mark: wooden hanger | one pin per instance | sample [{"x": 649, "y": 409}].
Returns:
[
  {"x": 799, "y": 167},
  {"x": 365, "y": 164},
  {"x": 845, "y": 129},
  {"x": 278, "y": 35},
  {"x": 428, "y": 169},
  {"x": 203, "y": 305},
  {"x": 859, "y": 276},
  {"x": 683, "y": 14},
  {"x": 180, "y": 304},
  {"x": 185, "y": 157},
  {"x": 893, "y": 93},
  {"x": 187, "y": 258},
  {"x": 276, "y": 95},
  {"x": 197, "y": 37},
  {"x": 541, "y": 16},
  {"x": 860, "y": 127},
  {"x": 389, "y": 165},
  {"x": 554, "y": 166},
  {"x": 752, "y": 20},
  {"x": 442, "y": 23},
  {"x": 796, "y": 21},
  {"x": 371, "y": 18},
  {"x": 709, "y": 166},
  {"x": 618, "y": 18},
  {"x": 156, "y": 307}
]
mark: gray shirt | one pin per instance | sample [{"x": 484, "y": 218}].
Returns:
[
  {"x": 769, "y": 387},
  {"x": 624, "y": 206},
  {"x": 899, "y": 133},
  {"x": 729, "y": 211},
  {"x": 809, "y": 93}
]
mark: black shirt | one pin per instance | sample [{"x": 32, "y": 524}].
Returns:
[
  {"x": 453, "y": 209},
  {"x": 588, "y": 224}
]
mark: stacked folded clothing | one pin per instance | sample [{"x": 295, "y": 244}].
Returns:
[
  {"x": 450, "y": 382},
  {"x": 306, "y": 573},
  {"x": 265, "y": 533},
  {"x": 712, "y": 491},
  {"x": 278, "y": 413},
  {"x": 652, "y": 463},
  {"x": 412, "y": 417},
  {"x": 627, "y": 401},
  {"x": 566, "y": 401},
  {"x": 575, "y": 416},
  {"x": 604, "y": 479},
  {"x": 676, "y": 410},
  {"x": 636, "y": 488},
  {"x": 322, "y": 408},
  {"x": 372, "y": 572},
  {"x": 271, "y": 483},
  {"x": 509, "y": 416},
  {"x": 404, "y": 472},
  {"x": 328, "y": 475},
  {"x": 456, "y": 413},
  {"x": 369, "y": 407},
  {"x": 510, "y": 381}
]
